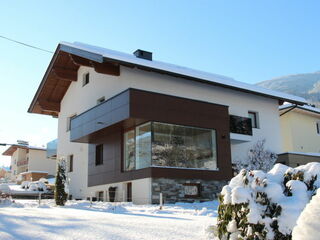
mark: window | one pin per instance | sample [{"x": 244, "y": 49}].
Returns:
[
  {"x": 100, "y": 196},
  {"x": 169, "y": 145},
  {"x": 69, "y": 121},
  {"x": 254, "y": 119},
  {"x": 318, "y": 127},
  {"x": 101, "y": 100},
  {"x": 129, "y": 150},
  {"x": 85, "y": 79},
  {"x": 70, "y": 163},
  {"x": 99, "y": 154}
]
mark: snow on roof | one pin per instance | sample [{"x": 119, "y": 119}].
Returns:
[
  {"x": 100, "y": 54},
  {"x": 303, "y": 107}
]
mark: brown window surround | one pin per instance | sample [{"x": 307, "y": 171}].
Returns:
[{"x": 105, "y": 124}]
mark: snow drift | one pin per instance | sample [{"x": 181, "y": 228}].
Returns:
[{"x": 259, "y": 205}]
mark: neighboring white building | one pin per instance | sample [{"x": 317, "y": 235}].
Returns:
[
  {"x": 100, "y": 95},
  {"x": 25, "y": 158}
]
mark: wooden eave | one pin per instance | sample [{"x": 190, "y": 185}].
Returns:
[{"x": 62, "y": 70}]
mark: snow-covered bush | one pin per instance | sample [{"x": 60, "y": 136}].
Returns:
[
  {"x": 308, "y": 226},
  {"x": 258, "y": 158},
  {"x": 25, "y": 184},
  {"x": 44, "y": 180},
  {"x": 259, "y": 205},
  {"x": 37, "y": 186}
]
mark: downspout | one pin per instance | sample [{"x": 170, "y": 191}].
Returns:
[{"x": 290, "y": 109}]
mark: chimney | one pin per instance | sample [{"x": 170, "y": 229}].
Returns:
[{"x": 143, "y": 54}]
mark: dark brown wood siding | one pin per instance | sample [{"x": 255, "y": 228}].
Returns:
[{"x": 148, "y": 106}]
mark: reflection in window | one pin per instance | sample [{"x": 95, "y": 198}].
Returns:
[
  {"x": 169, "y": 145},
  {"x": 143, "y": 146},
  {"x": 129, "y": 151},
  {"x": 184, "y": 147}
]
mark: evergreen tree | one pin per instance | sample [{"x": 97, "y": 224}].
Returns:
[{"x": 60, "y": 195}]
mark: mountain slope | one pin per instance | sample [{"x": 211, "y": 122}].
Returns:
[{"x": 306, "y": 85}]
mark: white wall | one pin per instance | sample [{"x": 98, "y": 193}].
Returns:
[
  {"x": 38, "y": 161},
  {"x": 78, "y": 99}
]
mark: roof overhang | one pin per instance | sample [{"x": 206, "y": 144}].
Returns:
[
  {"x": 62, "y": 70},
  {"x": 300, "y": 109},
  {"x": 68, "y": 57},
  {"x": 10, "y": 150}
]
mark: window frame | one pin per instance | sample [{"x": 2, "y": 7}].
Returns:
[
  {"x": 85, "y": 79},
  {"x": 70, "y": 163},
  {"x": 134, "y": 129},
  {"x": 256, "y": 123},
  {"x": 69, "y": 121},
  {"x": 99, "y": 157}
]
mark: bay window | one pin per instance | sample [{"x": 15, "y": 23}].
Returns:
[{"x": 156, "y": 144}]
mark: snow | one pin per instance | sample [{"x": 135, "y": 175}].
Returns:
[
  {"x": 308, "y": 225},
  {"x": 101, "y": 53},
  {"x": 247, "y": 185},
  {"x": 112, "y": 221}
]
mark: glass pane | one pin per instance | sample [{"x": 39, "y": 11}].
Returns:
[
  {"x": 129, "y": 153},
  {"x": 143, "y": 146},
  {"x": 185, "y": 147}
]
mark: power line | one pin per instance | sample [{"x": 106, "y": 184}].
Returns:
[{"x": 25, "y": 44}]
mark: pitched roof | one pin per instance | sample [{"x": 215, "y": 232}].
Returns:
[
  {"x": 10, "y": 150},
  {"x": 96, "y": 56},
  {"x": 307, "y": 108}
]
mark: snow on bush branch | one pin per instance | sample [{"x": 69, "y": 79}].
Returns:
[
  {"x": 259, "y": 205},
  {"x": 258, "y": 158}
]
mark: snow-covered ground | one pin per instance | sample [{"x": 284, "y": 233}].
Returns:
[{"x": 113, "y": 221}]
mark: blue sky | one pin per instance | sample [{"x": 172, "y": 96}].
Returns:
[{"x": 250, "y": 41}]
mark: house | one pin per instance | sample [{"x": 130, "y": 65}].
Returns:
[
  {"x": 29, "y": 161},
  {"x": 300, "y": 131},
  {"x": 131, "y": 127}
]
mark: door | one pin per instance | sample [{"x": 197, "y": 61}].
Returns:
[{"x": 129, "y": 192}]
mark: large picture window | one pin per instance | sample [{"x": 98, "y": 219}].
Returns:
[{"x": 169, "y": 145}]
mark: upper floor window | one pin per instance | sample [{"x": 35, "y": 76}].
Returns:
[
  {"x": 70, "y": 163},
  {"x": 101, "y": 100},
  {"x": 318, "y": 127},
  {"x": 254, "y": 119},
  {"x": 99, "y": 154},
  {"x": 85, "y": 79},
  {"x": 69, "y": 121}
]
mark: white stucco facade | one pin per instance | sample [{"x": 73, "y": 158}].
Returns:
[{"x": 80, "y": 98}]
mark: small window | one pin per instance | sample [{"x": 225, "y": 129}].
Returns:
[
  {"x": 318, "y": 127},
  {"x": 254, "y": 119},
  {"x": 69, "y": 122},
  {"x": 99, "y": 154},
  {"x": 71, "y": 163},
  {"x": 85, "y": 79},
  {"x": 100, "y": 196},
  {"x": 101, "y": 100}
]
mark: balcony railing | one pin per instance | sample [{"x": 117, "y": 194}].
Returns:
[
  {"x": 22, "y": 162},
  {"x": 240, "y": 125}
]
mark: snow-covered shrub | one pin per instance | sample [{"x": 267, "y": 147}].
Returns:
[
  {"x": 44, "y": 180},
  {"x": 37, "y": 186},
  {"x": 308, "y": 226},
  {"x": 25, "y": 184},
  {"x": 259, "y": 205},
  {"x": 258, "y": 158}
]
